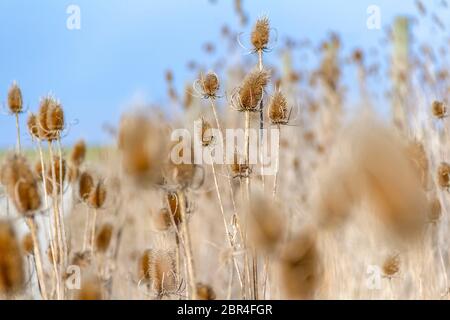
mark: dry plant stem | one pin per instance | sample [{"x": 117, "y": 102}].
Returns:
[
  {"x": 18, "y": 132},
  {"x": 37, "y": 257},
  {"x": 187, "y": 246},
  {"x": 261, "y": 125},
  {"x": 61, "y": 191},
  {"x": 94, "y": 221},
  {"x": 56, "y": 215},
  {"x": 277, "y": 164},
  {"x": 86, "y": 229}
]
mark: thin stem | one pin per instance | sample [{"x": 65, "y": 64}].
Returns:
[
  {"x": 61, "y": 191},
  {"x": 277, "y": 163},
  {"x": 18, "y": 133},
  {"x": 37, "y": 257},
  {"x": 261, "y": 125},
  {"x": 86, "y": 229},
  {"x": 94, "y": 221},
  {"x": 188, "y": 247}
]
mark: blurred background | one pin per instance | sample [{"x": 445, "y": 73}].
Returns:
[{"x": 125, "y": 51}]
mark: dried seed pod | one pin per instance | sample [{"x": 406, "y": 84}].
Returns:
[
  {"x": 300, "y": 266},
  {"x": 391, "y": 266},
  {"x": 11, "y": 261},
  {"x": 20, "y": 184},
  {"x": 238, "y": 168},
  {"x": 157, "y": 269},
  {"x": 78, "y": 153},
  {"x": 73, "y": 174},
  {"x": 45, "y": 106},
  {"x": 260, "y": 34},
  {"x": 444, "y": 175},
  {"x": 439, "y": 109},
  {"x": 97, "y": 196},
  {"x": 32, "y": 125},
  {"x": 86, "y": 184},
  {"x": 210, "y": 85},
  {"x": 103, "y": 238},
  {"x": 435, "y": 211},
  {"x": 91, "y": 290},
  {"x": 251, "y": 91},
  {"x": 205, "y": 292},
  {"x": 15, "y": 103},
  {"x": 55, "y": 119},
  {"x": 278, "y": 111},
  {"x": 206, "y": 136},
  {"x": 27, "y": 244}
]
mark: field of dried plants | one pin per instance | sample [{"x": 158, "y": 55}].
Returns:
[{"x": 356, "y": 206}]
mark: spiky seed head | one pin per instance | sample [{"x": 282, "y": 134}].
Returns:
[
  {"x": 85, "y": 185},
  {"x": 210, "y": 85},
  {"x": 252, "y": 89},
  {"x": 78, "y": 153},
  {"x": 11, "y": 261},
  {"x": 27, "y": 244},
  {"x": 444, "y": 175},
  {"x": 32, "y": 125},
  {"x": 391, "y": 266},
  {"x": 260, "y": 34},
  {"x": 97, "y": 196},
  {"x": 55, "y": 119},
  {"x": 439, "y": 109},
  {"x": 205, "y": 292},
  {"x": 15, "y": 103},
  {"x": 157, "y": 268},
  {"x": 103, "y": 238},
  {"x": 278, "y": 110},
  {"x": 206, "y": 137},
  {"x": 43, "y": 114}
]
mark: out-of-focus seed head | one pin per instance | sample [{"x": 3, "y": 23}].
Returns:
[
  {"x": 103, "y": 238},
  {"x": 15, "y": 103},
  {"x": 206, "y": 136},
  {"x": 278, "y": 110},
  {"x": 205, "y": 292},
  {"x": 157, "y": 268},
  {"x": 27, "y": 244},
  {"x": 443, "y": 175},
  {"x": 391, "y": 266},
  {"x": 439, "y": 109},
  {"x": 85, "y": 186},
  {"x": 12, "y": 275},
  {"x": 32, "y": 125},
  {"x": 78, "y": 153},
  {"x": 260, "y": 34},
  {"x": 97, "y": 196}
]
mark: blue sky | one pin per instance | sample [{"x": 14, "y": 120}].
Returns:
[{"x": 124, "y": 47}]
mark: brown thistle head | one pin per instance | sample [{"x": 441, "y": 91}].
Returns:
[
  {"x": 278, "y": 110},
  {"x": 300, "y": 266},
  {"x": 391, "y": 266},
  {"x": 205, "y": 292},
  {"x": 157, "y": 268},
  {"x": 20, "y": 184},
  {"x": 260, "y": 34},
  {"x": 103, "y": 238},
  {"x": 45, "y": 107},
  {"x": 32, "y": 125},
  {"x": 443, "y": 175},
  {"x": 439, "y": 109},
  {"x": 85, "y": 186},
  {"x": 11, "y": 261},
  {"x": 78, "y": 153},
  {"x": 251, "y": 91},
  {"x": 97, "y": 196},
  {"x": 15, "y": 103},
  {"x": 55, "y": 120},
  {"x": 90, "y": 290},
  {"x": 210, "y": 85}
]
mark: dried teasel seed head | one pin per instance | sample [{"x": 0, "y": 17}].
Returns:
[
  {"x": 206, "y": 136},
  {"x": 97, "y": 196},
  {"x": 32, "y": 125},
  {"x": 260, "y": 34},
  {"x": 12, "y": 275},
  {"x": 103, "y": 238},
  {"x": 391, "y": 266},
  {"x": 300, "y": 266},
  {"x": 20, "y": 184},
  {"x": 91, "y": 290},
  {"x": 27, "y": 244},
  {"x": 238, "y": 167},
  {"x": 85, "y": 185},
  {"x": 157, "y": 268},
  {"x": 210, "y": 85},
  {"x": 251, "y": 91},
  {"x": 55, "y": 119},
  {"x": 45, "y": 106},
  {"x": 443, "y": 175},
  {"x": 78, "y": 153},
  {"x": 435, "y": 210},
  {"x": 439, "y": 109},
  {"x": 15, "y": 103},
  {"x": 278, "y": 110},
  {"x": 205, "y": 292},
  {"x": 73, "y": 174}
]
